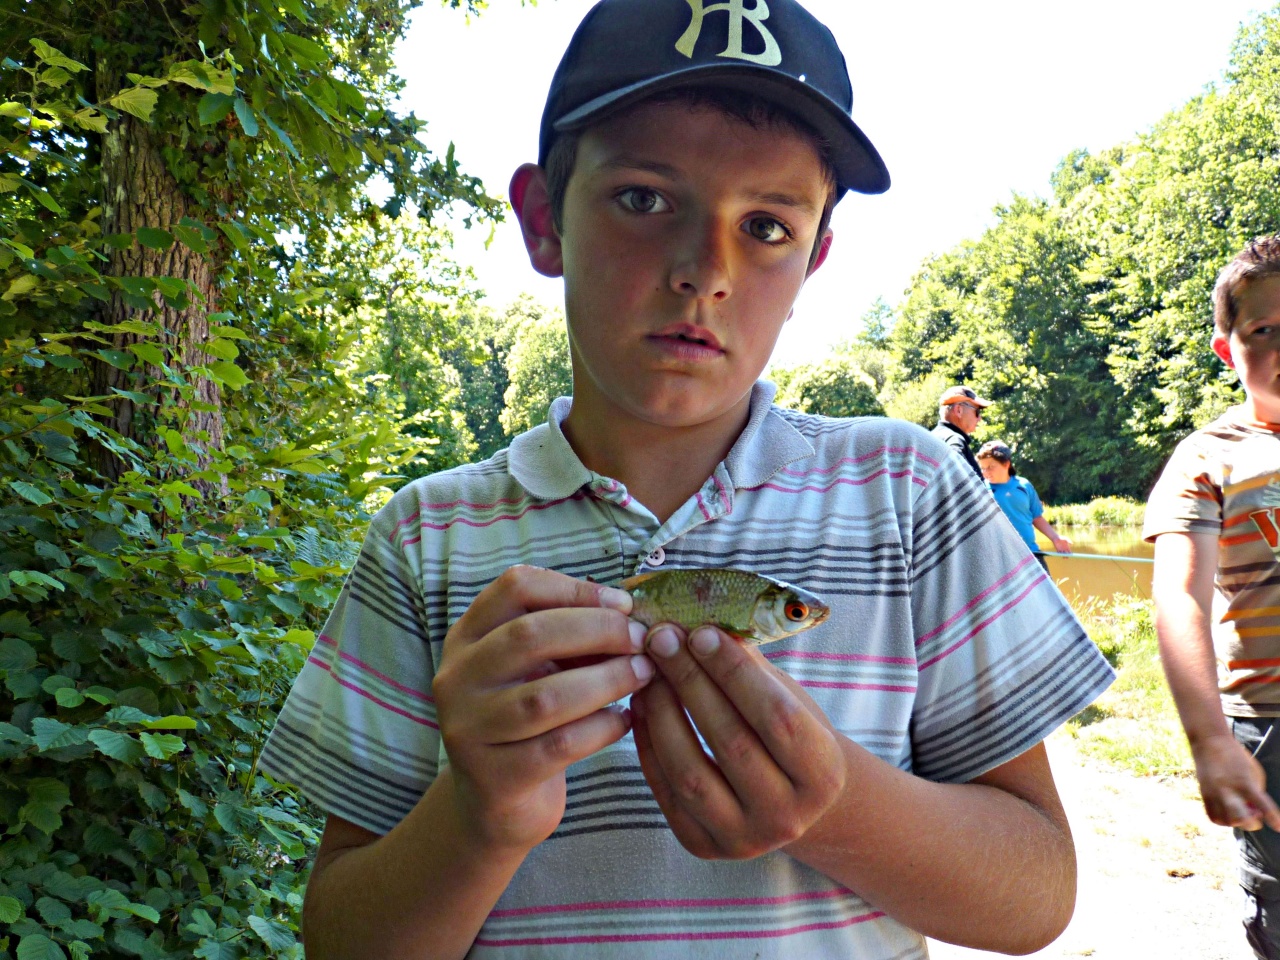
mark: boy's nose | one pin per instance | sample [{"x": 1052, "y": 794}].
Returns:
[{"x": 701, "y": 265}]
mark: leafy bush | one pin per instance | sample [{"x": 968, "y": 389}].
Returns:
[
  {"x": 147, "y": 636},
  {"x": 1102, "y": 512}
]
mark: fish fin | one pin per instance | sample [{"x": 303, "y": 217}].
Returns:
[{"x": 632, "y": 582}]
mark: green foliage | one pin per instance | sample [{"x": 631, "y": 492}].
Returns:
[
  {"x": 1102, "y": 512},
  {"x": 145, "y": 645},
  {"x": 835, "y": 387},
  {"x": 1087, "y": 316},
  {"x": 916, "y": 400},
  {"x": 152, "y": 617},
  {"x": 538, "y": 366}
]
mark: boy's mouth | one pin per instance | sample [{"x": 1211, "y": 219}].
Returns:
[{"x": 687, "y": 333}]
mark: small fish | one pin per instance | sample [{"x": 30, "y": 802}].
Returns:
[{"x": 749, "y": 606}]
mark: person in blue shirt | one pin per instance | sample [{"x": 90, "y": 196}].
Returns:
[{"x": 1018, "y": 499}]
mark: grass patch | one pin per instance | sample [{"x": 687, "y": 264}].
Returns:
[
  {"x": 1134, "y": 724},
  {"x": 1102, "y": 512}
]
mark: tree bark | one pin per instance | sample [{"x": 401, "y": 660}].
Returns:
[{"x": 139, "y": 191}]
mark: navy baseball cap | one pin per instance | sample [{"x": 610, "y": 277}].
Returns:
[{"x": 627, "y": 50}]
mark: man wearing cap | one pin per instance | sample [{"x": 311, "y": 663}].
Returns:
[
  {"x": 959, "y": 410},
  {"x": 512, "y": 763}
]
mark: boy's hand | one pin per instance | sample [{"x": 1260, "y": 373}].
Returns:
[
  {"x": 1234, "y": 785},
  {"x": 1062, "y": 544},
  {"x": 516, "y": 708},
  {"x": 777, "y": 763}
]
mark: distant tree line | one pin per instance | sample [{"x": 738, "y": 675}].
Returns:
[{"x": 1086, "y": 315}]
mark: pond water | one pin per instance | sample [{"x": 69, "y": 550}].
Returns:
[{"x": 1122, "y": 564}]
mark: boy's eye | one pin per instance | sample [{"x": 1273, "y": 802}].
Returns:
[
  {"x": 767, "y": 230},
  {"x": 643, "y": 200}
]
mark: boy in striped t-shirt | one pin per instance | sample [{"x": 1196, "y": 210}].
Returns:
[
  {"x": 842, "y": 793},
  {"x": 1215, "y": 518}
]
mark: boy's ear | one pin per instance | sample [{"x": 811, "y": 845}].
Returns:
[
  {"x": 824, "y": 247},
  {"x": 1222, "y": 347},
  {"x": 532, "y": 204}
]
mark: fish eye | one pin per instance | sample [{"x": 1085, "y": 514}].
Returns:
[{"x": 796, "y": 611}]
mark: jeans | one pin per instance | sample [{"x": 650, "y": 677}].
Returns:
[{"x": 1260, "y": 849}]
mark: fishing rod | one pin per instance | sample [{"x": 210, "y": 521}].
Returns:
[{"x": 1098, "y": 556}]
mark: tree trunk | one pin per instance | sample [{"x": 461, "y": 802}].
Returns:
[{"x": 138, "y": 191}]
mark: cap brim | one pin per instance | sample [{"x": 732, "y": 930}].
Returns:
[{"x": 857, "y": 164}]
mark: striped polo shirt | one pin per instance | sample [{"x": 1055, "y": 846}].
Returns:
[
  {"x": 1224, "y": 479},
  {"x": 947, "y": 653}
]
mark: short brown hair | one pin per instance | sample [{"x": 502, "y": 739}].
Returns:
[
  {"x": 1261, "y": 258},
  {"x": 747, "y": 108}
]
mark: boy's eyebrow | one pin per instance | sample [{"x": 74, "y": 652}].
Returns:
[{"x": 625, "y": 162}]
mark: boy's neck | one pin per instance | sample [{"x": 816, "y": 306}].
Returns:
[{"x": 661, "y": 466}]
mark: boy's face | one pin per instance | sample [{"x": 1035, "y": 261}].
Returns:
[
  {"x": 687, "y": 237},
  {"x": 994, "y": 470},
  {"x": 1253, "y": 348}
]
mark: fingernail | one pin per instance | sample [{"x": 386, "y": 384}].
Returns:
[
  {"x": 637, "y": 631},
  {"x": 642, "y": 667},
  {"x": 704, "y": 641},
  {"x": 663, "y": 642},
  {"x": 615, "y": 599}
]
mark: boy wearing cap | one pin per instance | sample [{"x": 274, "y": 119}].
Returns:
[
  {"x": 878, "y": 778},
  {"x": 1214, "y": 515},
  {"x": 1018, "y": 499},
  {"x": 959, "y": 410}
]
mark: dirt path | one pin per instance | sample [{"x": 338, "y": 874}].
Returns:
[{"x": 1156, "y": 878}]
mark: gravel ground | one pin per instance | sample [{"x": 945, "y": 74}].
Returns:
[{"x": 1157, "y": 879}]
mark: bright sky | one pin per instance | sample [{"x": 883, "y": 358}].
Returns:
[{"x": 966, "y": 102}]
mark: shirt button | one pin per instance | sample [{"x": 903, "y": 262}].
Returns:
[{"x": 657, "y": 558}]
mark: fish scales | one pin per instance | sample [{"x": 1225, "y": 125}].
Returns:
[{"x": 748, "y": 605}]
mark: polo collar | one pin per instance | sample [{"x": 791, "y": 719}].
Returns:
[{"x": 542, "y": 461}]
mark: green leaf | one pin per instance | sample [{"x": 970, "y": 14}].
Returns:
[
  {"x": 38, "y": 946},
  {"x": 228, "y": 373},
  {"x": 30, "y": 492},
  {"x": 143, "y": 911},
  {"x": 20, "y": 285},
  {"x": 162, "y": 746},
  {"x": 35, "y": 578},
  {"x": 171, "y": 722},
  {"x": 192, "y": 238},
  {"x": 302, "y": 638},
  {"x": 244, "y": 113},
  {"x": 50, "y": 734},
  {"x": 138, "y": 101},
  {"x": 55, "y": 57},
  {"x": 282, "y": 137},
  {"x": 213, "y": 107},
  {"x": 306, "y": 53},
  {"x": 45, "y": 800},
  {"x": 11, "y": 910},
  {"x": 223, "y": 349},
  {"x": 69, "y": 697},
  {"x": 117, "y": 745},
  {"x": 202, "y": 76},
  {"x": 236, "y": 234},
  {"x": 154, "y": 238},
  {"x": 211, "y": 949},
  {"x": 148, "y": 353},
  {"x": 273, "y": 933}
]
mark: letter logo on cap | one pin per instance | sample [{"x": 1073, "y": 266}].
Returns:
[{"x": 772, "y": 55}]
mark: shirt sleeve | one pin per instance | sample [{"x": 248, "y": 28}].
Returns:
[
  {"x": 358, "y": 732},
  {"x": 1188, "y": 496},
  {"x": 1033, "y": 501},
  {"x": 1001, "y": 659}
]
